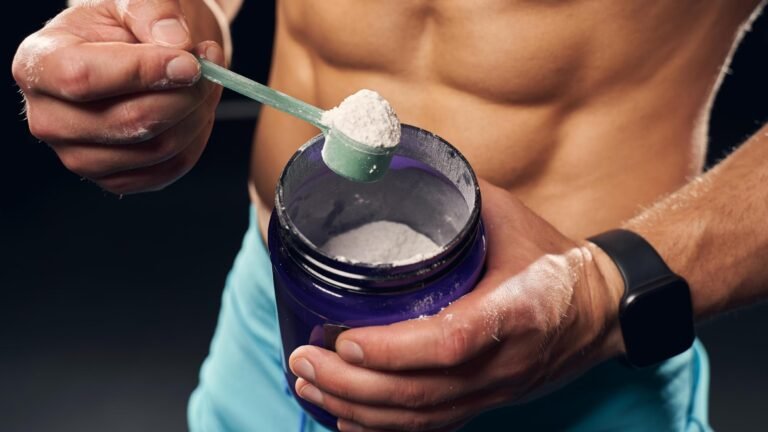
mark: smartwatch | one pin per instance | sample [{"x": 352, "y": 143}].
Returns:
[{"x": 655, "y": 312}]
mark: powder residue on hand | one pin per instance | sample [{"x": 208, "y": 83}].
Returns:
[
  {"x": 366, "y": 117},
  {"x": 31, "y": 52},
  {"x": 381, "y": 242}
]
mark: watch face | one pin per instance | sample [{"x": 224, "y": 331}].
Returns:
[{"x": 656, "y": 321}]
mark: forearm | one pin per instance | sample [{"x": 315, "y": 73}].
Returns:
[{"x": 713, "y": 231}]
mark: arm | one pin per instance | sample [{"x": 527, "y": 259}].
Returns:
[
  {"x": 546, "y": 309},
  {"x": 714, "y": 231}
]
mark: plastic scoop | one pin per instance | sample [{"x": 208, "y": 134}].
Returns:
[{"x": 345, "y": 156}]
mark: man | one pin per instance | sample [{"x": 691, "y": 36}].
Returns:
[{"x": 591, "y": 113}]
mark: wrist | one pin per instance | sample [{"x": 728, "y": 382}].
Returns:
[
  {"x": 685, "y": 258},
  {"x": 655, "y": 312},
  {"x": 606, "y": 280}
]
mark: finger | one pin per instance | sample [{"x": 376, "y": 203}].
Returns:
[
  {"x": 93, "y": 71},
  {"x": 427, "y": 388},
  {"x": 438, "y": 417},
  {"x": 121, "y": 120},
  {"x": 160, "y": 175},
  {"x": 159, "y": 22},
  {"x": 457, "y": 334},
  {"x": 157, "y": 176},
  {"x": 26, "y": 68},
  {"x": 97, "y": 160}
]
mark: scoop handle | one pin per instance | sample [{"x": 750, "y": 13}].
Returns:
[{"x": 262, "y": 93}]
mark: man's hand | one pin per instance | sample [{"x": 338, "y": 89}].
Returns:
[
  {"x": 544, "y": 313},
  {"x": 112, "y": 87}
]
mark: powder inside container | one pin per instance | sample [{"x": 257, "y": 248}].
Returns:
[
  {"x": 367, "y": 118},
  {"x": 380, "y": 242}
]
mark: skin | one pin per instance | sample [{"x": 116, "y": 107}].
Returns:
[
  {"x": 100, "y": 92},
  {"x": 579, "y": 116}
]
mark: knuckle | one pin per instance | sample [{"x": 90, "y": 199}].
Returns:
[
  {"x": 455, "y": 345},
  {"x": 26, "y": 60},
  {"x": 412, "y": 394},
  {"x": 74, "y": 79},
  {"x": 150, "y": 72},
  {"x": 148, "y": 77},
  {"x": 135, "y": 123},
  {"x": 529, "y": 317}
]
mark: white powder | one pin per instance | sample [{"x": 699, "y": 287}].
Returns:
[
  {"x": 381, "y": 242},
  {"x": 32, "y": 51},
  {"x": 121, "y": 6},
  {"x": 365, "y": 117}
]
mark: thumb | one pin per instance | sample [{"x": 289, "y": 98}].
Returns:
[
  {"x": 452, "y": 337},
  {"x": 159, "y": 22}
]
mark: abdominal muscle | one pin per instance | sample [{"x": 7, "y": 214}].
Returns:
[{"x": 587, "y": 111}]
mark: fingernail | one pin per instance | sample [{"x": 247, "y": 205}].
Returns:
[
  {"x": 169, "y": 31},
  {"x": 346, "y": 426},
  {"x": 304, "y": 369},
  {"x": 214, "y": 54},
  {"x": 183, "y": 70},
  {"x": 350, "y": 351},
  {"x": 312, "y": 394}
]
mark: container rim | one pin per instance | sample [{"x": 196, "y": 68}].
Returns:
[{"x": 315, "y": 260}]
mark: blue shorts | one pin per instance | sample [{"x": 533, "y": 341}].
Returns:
[{"x": 242, "y": 387}]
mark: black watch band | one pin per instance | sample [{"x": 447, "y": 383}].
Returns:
[{"x": 655, "y": 313}]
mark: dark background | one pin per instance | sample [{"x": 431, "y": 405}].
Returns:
[{"x": 107, "y": 305}]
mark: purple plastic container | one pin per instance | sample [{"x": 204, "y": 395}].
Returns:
[{"x": 429, "y": 186}]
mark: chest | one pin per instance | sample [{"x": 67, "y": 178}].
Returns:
[{"x": 507, "y": 51}]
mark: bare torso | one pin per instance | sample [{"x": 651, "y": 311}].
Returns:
[{"x": 587, "y": 110}]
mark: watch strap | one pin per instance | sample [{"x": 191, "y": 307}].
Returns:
[
  {"x": 655, "y": 313},
  {"x": 638, "y": 262}
]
